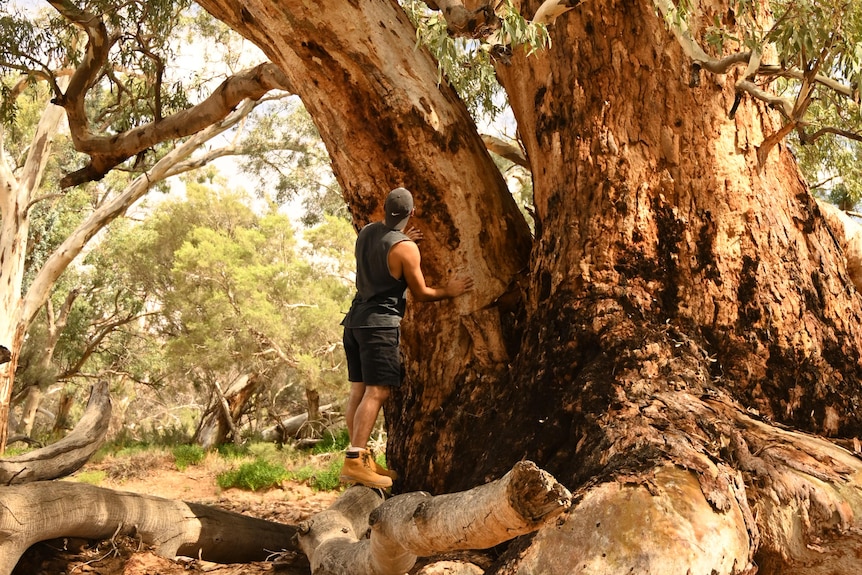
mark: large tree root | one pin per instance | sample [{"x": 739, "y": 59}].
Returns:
[
  {"x": 70, "y": 453},
  {"x": 416, "y": 524},
  {"x": 49, "y": 510},
  {"x": 791, "y": 503}
]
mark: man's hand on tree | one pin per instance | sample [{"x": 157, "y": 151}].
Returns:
[{"x": 414, "y": 234}]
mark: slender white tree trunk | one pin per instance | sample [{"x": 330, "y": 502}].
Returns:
[{"x": 16, "y": 193}]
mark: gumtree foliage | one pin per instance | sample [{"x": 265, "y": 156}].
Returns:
[
  {"x": 232, "y": 289},
  {"x": 466, "y": 62},
  {"x": 283, "y": 151},
  {"x": 125, "y": 94}
]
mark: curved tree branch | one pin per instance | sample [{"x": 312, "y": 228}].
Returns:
[
  {"x": 107, "y": 152},
  {"x": 70, "y": 453}
]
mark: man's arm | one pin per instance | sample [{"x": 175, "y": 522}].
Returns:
[{"x": 404, "y": 261}]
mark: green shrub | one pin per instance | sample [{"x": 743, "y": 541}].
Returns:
[
  {"x": 254, "y": 476},
  {"x": 185, "y": 455},
  {"x": 146, "y": 438},
  {"x": 264, "y": 450}
]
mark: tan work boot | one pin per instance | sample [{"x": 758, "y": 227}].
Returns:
[
  {"x": 380, "y": 470},
  {"x": 361, "y": 470}
]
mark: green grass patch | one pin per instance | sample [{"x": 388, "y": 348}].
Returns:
[
  {"x": 319, "y": 479},
  {"x": 94, "y": 477},
  {"x": 260, "y": 474},
  {"x": 185, "y": 455},
  {"x": 232, "y": 451},
  {"x": 331, "y": 443}
]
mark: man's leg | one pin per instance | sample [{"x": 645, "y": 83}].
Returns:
[
  {"x": 367, "y": 350},
  {"x": 357, "y": 390},
  {"x": 363, "y": 406},
  {"x": 366, "y": 414}
]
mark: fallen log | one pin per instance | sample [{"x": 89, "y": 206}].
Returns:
[
  {"x": 68, "y": 454},
  {"x": 288, "y": 427},
  {"x": 49, "y": 510},
  {"x": 417, "y": 524}
]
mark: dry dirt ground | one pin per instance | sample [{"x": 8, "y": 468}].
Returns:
[{"x": 158, "y": 476}]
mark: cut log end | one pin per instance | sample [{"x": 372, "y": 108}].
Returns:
[{"x": 535, "y": 494}]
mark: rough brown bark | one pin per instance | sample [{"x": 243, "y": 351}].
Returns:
[
  {"x": 68, "y": 454},
  {"x": 48, "y": 510}
]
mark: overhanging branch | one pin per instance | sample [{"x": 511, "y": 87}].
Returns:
[
  {"x": 792, "y": 109},
  {"x": 107, "y": 152}
]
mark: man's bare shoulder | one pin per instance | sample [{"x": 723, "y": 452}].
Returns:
[{"x": 404, "y": 251}]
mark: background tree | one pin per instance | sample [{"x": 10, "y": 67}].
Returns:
[
  {"x": 231, "y": 290},
  {"x": 109, "y": 73}
]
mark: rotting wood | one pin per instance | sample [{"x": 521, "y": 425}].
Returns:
[{"x": 418, "y": 524}]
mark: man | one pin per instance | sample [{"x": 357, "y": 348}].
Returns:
[{"x": 387, "y": 264}]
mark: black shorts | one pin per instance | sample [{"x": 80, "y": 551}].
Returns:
[{"x": 373, "y": 355}]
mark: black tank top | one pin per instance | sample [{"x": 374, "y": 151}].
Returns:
[{"x": 380, "y": 298}]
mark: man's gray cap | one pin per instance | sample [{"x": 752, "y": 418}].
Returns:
[{"x": 398, "y": 206}]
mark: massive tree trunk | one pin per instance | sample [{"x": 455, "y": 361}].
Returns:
[
  {"x": 683, "y": 296},
  {"x": 375, "y": 100},
  {"x": 15, "y": 196}
]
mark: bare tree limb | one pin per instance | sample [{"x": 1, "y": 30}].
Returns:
[
  {"x": 506, "y": 150},
  {"x": 417, "y": 524},
  {"x": 809, "y": 138},
  {"x": 70, "y": 453},
  {"x": 107, "y": 152},
  {"x": 48, "y": 510}
]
